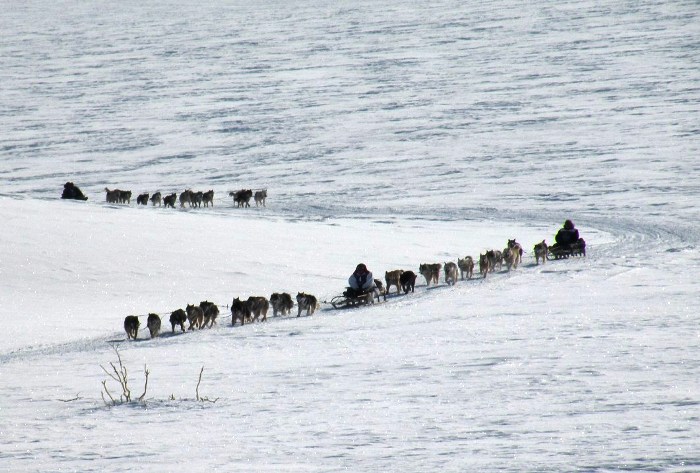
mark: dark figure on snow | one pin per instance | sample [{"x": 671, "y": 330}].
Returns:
[
  {"x": 71, "y": 191},
  {"x": 568, "y": 235}
]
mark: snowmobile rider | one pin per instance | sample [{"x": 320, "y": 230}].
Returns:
[{"x": 568, "y": 235}]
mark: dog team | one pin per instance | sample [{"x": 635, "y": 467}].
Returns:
[
  {"x": 189, "y": 198},
  {"x": 255, "y": 308}
]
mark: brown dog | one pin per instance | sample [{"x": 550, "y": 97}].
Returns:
[
  {"x": 540, "y": 250},
  {"x": 431, "y": 272},
  {"x": 466, "y": 266},
  {"x": 393, "y": 278}
]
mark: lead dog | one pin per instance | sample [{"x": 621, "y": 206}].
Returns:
[
  {"x": 431, "y": 272},
  {"x": 260, "y": 197},
  {"x": 408, "y": 281},
  {"x": 281, "y": 303},
  {"x": 466, "y": 266},
  {"x": 131, "y": 326},
  {"x": 540, "y": 250},
  {"x": 393, "y": 278},
  {"x": 306, "y": 302},
  {"x": 450, "y": 273}
]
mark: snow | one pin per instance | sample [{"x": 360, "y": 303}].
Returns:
[{"x": 394, "y": 135}]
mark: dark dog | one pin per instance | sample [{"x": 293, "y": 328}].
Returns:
[
  {"x": 169, "y": 200},
  {"x": 71, "y": 191},
  {"x": 112, "y": 196},
  {"x": 408, "y": 281},
  {"x": 238, "y": 311},
  {"x": 186, "y": 198},
  {"x": 257, "y": 306},
  {"x": 306, "y": 302},
  {"x": 131, "y": 326},
  {"x": 178, "y": 317},
  {"x": 142, "y": 199},
  {"x": 208, "y": 198},
  {"x": 153, "y": 324},
  {"x": 281, "y": 303},
  {"x": 156, "y": 198},
  {"x": 125, "y": 197},
  {"x": 210, "y": 311},
  {"x": 195, "y": 315},
  {"x": 242, "y": 197},
  {"x": 197, "y": 198}
]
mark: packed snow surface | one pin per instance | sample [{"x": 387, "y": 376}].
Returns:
[{"x": 392, "y": 133}]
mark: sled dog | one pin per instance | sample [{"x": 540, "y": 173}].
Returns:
[
  {"x": 517, "y": 250},
  {"x": 306, "y": 302},
  {"x": 238, "y": 311},
  {"x": 466, "y": 266},
  {"x": 393, "y": 278},
  {"x": 281, "y": 303},
  {"x": 208, "y": 198},
  {"x": 408, "y": 281},
  {"x": 484, "y": 265},
  {"x": 450, "y": 273},
  {"x": 169, "y": 200},
  {"x": 153, "y": 325},
  {"x": 260, "y": 197},
  {"x": 210, "y": 311},
  {"x": 131, "y": 326},
  {"x": 178, "y": 317},
  {"x": 156, "y": 199},
  {"x": 540, "y": 250},
  {"x": 142, "y": 199},
  {"x": 431, "y": 272},
  {"x": 186, "y": 198},
  {"x": 195, "y": 316},
  {"x": 257, "y": 306}
]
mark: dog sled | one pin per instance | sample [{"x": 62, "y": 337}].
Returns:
[
  {"x": 352, "y": 298},
  {"x": 558, "y": 251}
]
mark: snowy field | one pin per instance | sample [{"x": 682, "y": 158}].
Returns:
[{"x": 392, "y": 133}]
